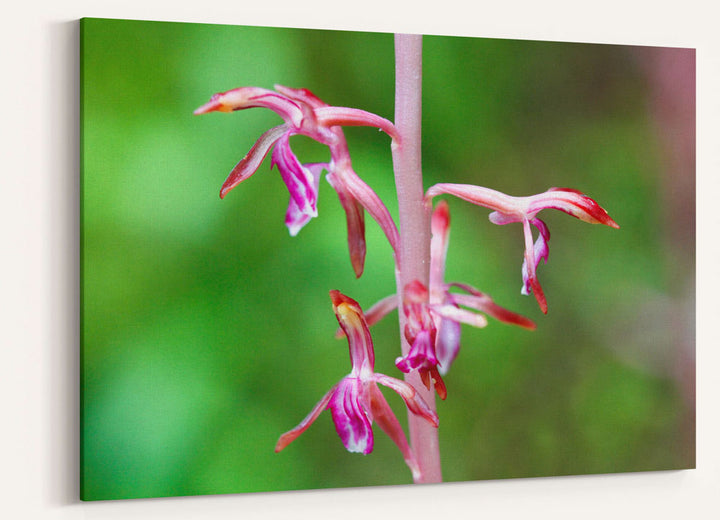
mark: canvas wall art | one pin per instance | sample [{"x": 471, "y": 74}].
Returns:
[{"x": 318, "y": 259}]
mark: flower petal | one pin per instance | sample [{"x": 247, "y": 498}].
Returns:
[
  {"x": 447, "y": 344},
  {"x": 295, "y": 218},
  {"x": 288, "y": 437},
  {"x": 572, "y": 202},
  {"x": 420, "y": 355},
  {"x": 250, "y": 163},
  {"x": 351, "y": 319},
  {"x": 341, "y": 116},
  {"x": 376, "y": 312},
  {"x": 355, "y": 218},
  {"x": 251, "y": 97},
  {"x": 369, "y": 200},
  {"x": 385, "y": 418},
  {"x": 413, "y": 401},
  {"x": 301, "y": 95},
  {"x": 495, "y": 200},
  {"x": 453, "y": 312},
  {"x": 484, "y": 303},
  {"x": 530, "y": 281},
  {"x": 298, "y": 179},
  {"x": 351, "y": 416},
  {"x": 440, "y": 226}
]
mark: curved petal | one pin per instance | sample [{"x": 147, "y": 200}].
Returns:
[
  {"x": 452, "y": 312},
  {"x": 301, "y": 95},
  {"x": 350, "y": 415},
  {"x": 376, "y": 312},
  {"x": 413, "y": 401},
  {"x": 355, "y": 219},
  {"x": 385, "y": 418},
  {"x": 447, "y": 344},
  {"x": 251, "y": 97},
  {"x": 495, "y": 200},
  {"x": 484, "y": 303},
  {"x": 421, "y": 353},
  {"x": 298, "y": 179},
  {"x": 369, "y": 200},
  {"x": 288, "y": 437},
  {"x": 440, "y": 227},
  {"x": 572, "y": 202},
  {"x": 351, "y": 319},
  {"x": 296, "y": 218},
  {"x": 250, "y": 163},
  {"x": 342, "y": 116},
  {"x": 530, "y": 281}
]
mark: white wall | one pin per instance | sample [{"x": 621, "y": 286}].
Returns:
[{"x": 39, "y": 277}]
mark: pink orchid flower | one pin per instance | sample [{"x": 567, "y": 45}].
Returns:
[
  {"x": 435, "y": 345},
  {"x": 508, "y": 209},
  {"x": 420, "y": 333},
  {"x": 305, "y": 114},
  {"x": 356, "y": 400}
]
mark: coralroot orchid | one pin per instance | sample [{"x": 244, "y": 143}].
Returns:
[
  {"x": 443, "y": 306},
  {"x": 508, "y": 209},
  {"x": 356, "y": 400},
  {"x": 305, "y": 114},
  {"x": 432, "y": 310}
]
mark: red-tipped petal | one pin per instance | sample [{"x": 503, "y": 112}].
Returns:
[
  {"x": 287, "y": 437},
  {"x": 385, "y": 418},
  {"x": 369, "y": 200},
  {"x": 250, "y": 163},
  {"x": 484, "y": 303},
  {"x": 413, "y": 401},
  {"x": 572, "y": 202},
  {"x": 355, "y": 219}
]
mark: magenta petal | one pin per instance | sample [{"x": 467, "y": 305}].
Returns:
[
  {"x": 447, "y": 344},
  {"x": 351, "y": 421},
  {"x": 250, "y": 163},
  {"x": 298, "y": 179},
  {"x": 296, "y": 218},
  {"x": 420, "y": 355}
]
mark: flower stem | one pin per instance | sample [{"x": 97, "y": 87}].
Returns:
[{"x": 414, "y": 252}]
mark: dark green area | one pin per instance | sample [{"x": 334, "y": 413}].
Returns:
[{"x": 207, "y": 330}]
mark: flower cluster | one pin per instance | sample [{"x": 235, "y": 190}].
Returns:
[
  {"x": 433, "y": 314},
  {"x": 356, "y": 400},
  {"x": 304, "y": 113},
  {"x": 508, "y": 209}
]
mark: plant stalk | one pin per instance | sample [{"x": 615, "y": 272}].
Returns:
[{"x": 414, "y": 251}]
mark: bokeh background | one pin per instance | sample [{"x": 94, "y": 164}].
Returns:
[{"x": 207, "y": 330}]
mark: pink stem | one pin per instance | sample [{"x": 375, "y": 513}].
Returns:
[{"x": 414, "y": 252}]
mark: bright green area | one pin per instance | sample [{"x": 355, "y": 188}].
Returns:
[{"x": 207, "y": 330}]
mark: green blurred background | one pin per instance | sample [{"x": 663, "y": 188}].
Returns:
[{"x": 207, "y": 330}]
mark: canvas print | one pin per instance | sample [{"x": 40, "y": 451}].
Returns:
[{"x": 318, "y": 259}]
